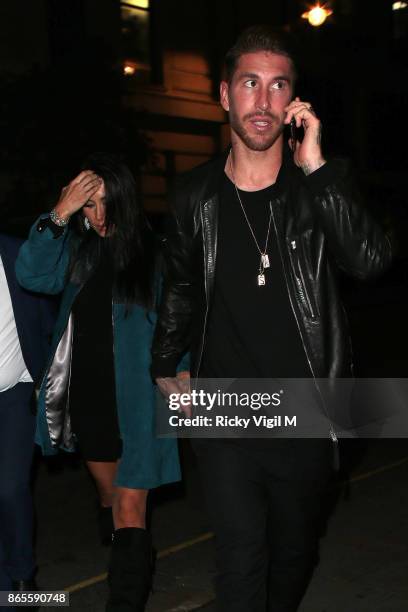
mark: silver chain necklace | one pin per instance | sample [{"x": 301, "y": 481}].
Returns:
[{"x": 264, "y": 261}]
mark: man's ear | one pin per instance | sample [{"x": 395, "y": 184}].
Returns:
[{"x": 224, "y": 98}]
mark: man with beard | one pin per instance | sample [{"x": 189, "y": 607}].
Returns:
[{"x": 254, "y": 240}]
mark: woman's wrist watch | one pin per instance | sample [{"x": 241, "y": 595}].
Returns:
[{"x": 60, "y": 221}]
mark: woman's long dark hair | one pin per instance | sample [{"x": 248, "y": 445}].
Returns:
[{"x": 129, "y": 237}]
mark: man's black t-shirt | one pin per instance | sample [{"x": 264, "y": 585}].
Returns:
[{"x": 252, "y": 331}]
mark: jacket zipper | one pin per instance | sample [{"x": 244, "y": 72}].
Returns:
[
  {"x": 300, "y": 281},
  {"x": 332, "y": 433},
  {"x": 206, "y": 294}
]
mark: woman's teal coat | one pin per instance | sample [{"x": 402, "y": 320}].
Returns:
[{"x": 147, "y": 461}]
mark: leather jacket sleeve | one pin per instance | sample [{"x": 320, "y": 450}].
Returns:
[
  {"x": 172, "y": 333},
  {"x": 356, "y": 242}
]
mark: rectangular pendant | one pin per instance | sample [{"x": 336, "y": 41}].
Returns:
[
  {"x": 265, "y": 261},
  {"x": 261, "y": 279}
]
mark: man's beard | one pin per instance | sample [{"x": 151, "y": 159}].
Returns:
[{"x": 256, "y": 143}]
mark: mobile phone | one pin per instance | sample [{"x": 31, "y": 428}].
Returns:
[{"x": 292, "y": 127}]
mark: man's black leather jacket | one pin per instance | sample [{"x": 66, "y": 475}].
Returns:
[{"x": 320, "y": 227}]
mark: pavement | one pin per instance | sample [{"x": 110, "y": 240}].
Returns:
[
  {"x": 364, "y": 553},
  {"x": 364, "y": 549}
]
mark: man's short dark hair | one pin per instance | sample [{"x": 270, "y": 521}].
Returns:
[{"x": 260, "y": 38}]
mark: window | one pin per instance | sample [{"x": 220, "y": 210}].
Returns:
[
  {"x": 400, "y": 19},
  {"x": 135, "y": 16}
]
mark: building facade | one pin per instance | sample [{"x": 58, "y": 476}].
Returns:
[{"x": 166, "y": 55}]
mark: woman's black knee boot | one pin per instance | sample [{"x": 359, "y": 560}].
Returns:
[{"x": 130, "y": 570}]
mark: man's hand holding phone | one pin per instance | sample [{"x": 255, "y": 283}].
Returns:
[{"x": 308, "y": 153}]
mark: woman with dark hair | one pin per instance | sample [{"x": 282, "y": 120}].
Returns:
[{"x": 96, "y": 247}]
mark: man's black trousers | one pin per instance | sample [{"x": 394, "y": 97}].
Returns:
[
  {"x": 265, "y": 500},
  {"x": 17, "y": 424}
]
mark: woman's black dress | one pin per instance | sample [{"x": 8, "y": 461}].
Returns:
[{"x": 92, "y": 397}]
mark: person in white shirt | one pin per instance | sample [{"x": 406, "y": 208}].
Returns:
[{"x": 26, "y": 322}]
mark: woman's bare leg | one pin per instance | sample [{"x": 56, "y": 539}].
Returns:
[
  {"x": 129, "y": 507},
  {"x": 103, "y": 473}
]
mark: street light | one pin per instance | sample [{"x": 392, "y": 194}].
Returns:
[
  {"x": 129, "y": 68},
  {"x": 317, "y": 15}
]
